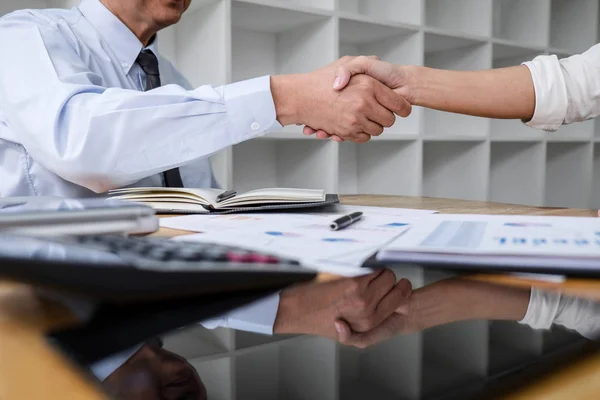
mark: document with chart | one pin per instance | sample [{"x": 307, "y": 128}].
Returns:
[{"x": 512, "y": 243}]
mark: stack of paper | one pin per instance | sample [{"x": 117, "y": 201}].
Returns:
[
  {"x": 509, "y": 243},
  {"x": 306, "y": 237}
]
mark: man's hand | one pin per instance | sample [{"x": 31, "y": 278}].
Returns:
[
  {"x": 396, "y": 77},
  {"x": 363, "y": 303},
  {"x": 362, "y": 110}
]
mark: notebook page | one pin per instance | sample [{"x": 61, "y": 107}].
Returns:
[{"x": 275, "y": 195}]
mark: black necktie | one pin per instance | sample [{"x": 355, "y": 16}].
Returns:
[{"x": 149, "y": 64}]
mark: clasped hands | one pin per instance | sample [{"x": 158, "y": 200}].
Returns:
[
  {"x": 359, "y": 312},
  {"x": 354, "y": 99}
]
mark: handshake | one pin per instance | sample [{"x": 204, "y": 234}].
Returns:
[
  {"x": 352, "y": 99},
  {"x": 359, "y": 312}
]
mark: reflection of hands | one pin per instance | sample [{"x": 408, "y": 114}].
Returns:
[
  {"x": 362, "y": 110},
  {"x": 443, "y": 302},
  {"x": 363, "y": 303},
  {"x": 398, "y": 78}
]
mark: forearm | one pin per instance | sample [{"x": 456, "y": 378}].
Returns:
[
  {"x": 506, "y": 93},
  {"x": 460, "y": 299}
]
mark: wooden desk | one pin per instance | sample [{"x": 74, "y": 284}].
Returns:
[{"x": 31, "y": 369}]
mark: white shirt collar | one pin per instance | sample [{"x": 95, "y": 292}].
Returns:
[{"x": 120, "y": 38}]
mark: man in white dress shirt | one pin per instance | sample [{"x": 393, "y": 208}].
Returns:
[{"x": 87, "y": 104}]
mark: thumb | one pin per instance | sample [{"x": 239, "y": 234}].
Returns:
[
  {"x": 345, "y": 72},
  {"x": 344, "y": 333}
]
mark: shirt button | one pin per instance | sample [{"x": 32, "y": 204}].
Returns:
[
  {"x": 124, "y": 65},
  {"x": 255, "y": 126}
]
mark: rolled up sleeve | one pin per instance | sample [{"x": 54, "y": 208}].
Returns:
[
  {"x": 566, "y": 90},
  {"x": 550, "y": 93}
]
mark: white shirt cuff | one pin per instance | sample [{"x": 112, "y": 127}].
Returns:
[
  {"x": 551, "y": 99},
  {"x": 542, "y": 309},
  {"x": 258, "y": 317},
  {"x": 104, "y": 368},
  {"x": 250, "y": 107}
]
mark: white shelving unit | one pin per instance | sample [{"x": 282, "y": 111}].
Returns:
[{"x": 430, "y": 153}]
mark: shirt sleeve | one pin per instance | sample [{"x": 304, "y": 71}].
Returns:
[
  {"x": 566, "y": 90},
  {"x": 547, "y": 308},
  {"x": 104, "y": 138},
  {"x": 258, "y": 317}
]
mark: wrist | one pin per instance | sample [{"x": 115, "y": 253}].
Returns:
[
  {"x": 284, "y": 320},
  {"x": 482, "y": 300},
  {"x": 416, "y": 83},
  {"x": 436, "y": 304},
  {"x": 286, "y": 91}
]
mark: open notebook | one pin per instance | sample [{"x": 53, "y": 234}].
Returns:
[{"x": 217, "y": 201}]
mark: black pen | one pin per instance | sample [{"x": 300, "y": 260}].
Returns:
[
  {"x": 345, "y": 221},
  {"x": 226, "y": 195}
]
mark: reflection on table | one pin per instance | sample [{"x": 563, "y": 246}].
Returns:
[{"x": 457, "y": 335}]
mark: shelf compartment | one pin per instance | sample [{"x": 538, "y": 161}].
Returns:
[
  {"x": 403, "y": 11},
  {"x": 6, "y": 7},
  {"x": 573, "y": 24},
  {"x": 285, "y": 163},
  {"x": 522, "y": 21},
  {"x": 302, "y": 370},
  {"x": 509, "y": 55},
  {"x": 559, "y": 338},
  {"x": 271, "y": 41},
  {"x": 378, "y": 167},
  {"x": 454, "y": 355},
  {"x": 244, "y": 340},
  {"x": 568, "y": 175},
  {"x": 517, "y": 173},
  {"x": 512, "y": 345},
  {"x": 472, "y": 17},
  {"x": 396, "y": 45},
  {"x": 216, "y": 375},
  {"x": 577, "y": 131},
  {"x": 363, "y": 374},
  {"x": 200, "y": 36},
  {"x": 455, "y": 53},
  {"x": 294, "y": 4},
  {"x": 196, "y": 341},
  {"x": 455, "y": 170}
]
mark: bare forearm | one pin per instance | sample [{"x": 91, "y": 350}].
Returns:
[
  {"x": 506, "y": 93},
  {"x": 460, "y": 300}
]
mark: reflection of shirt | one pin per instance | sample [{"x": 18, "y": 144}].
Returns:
[
  {"x": 566, "y": 90},
  {"x": 74, "y": 118},
  {"x": 580, "y": 315}
]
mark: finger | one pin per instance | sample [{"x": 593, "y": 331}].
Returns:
[
  {"x": 380, "y": 287},
  {"x": 372, "y": 128},
  {"x": 322, "y": 135},
  {"x": 394, "y": 301},
  {"x": 337, "y": 139},
  {"x": 392, "y": 100},
  {"x": 372, "y": 66},
  {"x": 344, "y": 333},
  {"x": 388, "y": 329},
  {"x": 381, "y": 115},
  {"x": 359, "y": 138},
  {"x": 368, "y": 279},
  {"x": 347, "y": 70},
  {"x": 308, "y": 131}
]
